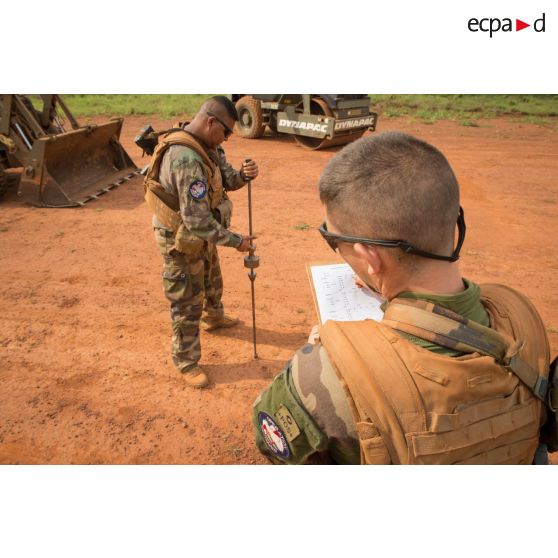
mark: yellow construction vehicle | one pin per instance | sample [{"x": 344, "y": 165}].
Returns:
[{"x": 63, "y": 164}]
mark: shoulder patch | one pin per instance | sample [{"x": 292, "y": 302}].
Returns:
[
  {"x": 198, "y": 189},
  {"x": 273, "y": 436}
]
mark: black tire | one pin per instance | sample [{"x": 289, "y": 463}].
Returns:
[
  {"x": 250, "y": 120},
  {"x": 273, "y": 122}
]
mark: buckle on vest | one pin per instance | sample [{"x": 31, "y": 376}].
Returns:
[{"x": 541, "y": 388}]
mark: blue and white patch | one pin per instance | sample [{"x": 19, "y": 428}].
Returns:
[
  {"x": 273, "y": 436},
  {"x": 198, "y": 189}
]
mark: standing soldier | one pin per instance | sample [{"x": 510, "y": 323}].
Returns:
[{"x": 186, "y": 188}]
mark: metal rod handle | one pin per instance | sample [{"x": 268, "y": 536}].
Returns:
[{"x": 251, "y": 261}]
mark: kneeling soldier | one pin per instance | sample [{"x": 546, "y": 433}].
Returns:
[{"x": 455, "y": 372}]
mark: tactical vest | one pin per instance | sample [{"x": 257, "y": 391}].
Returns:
[
  {"x": 165, "y": 205},
  {"x": 413, "y": 406}
]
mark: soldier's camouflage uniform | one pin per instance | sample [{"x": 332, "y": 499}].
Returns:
[
  {"x": 192, "y": 284},
  {"x": 308, "y": 402}
]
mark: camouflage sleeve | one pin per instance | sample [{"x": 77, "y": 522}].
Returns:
[
  {"x": 303, "y": 417},
  {"x": 188, "y": 174},
  {"x": 232, "y": 179}
]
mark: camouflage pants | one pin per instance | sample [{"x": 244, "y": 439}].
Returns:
[{"x": 190, "y": 285}]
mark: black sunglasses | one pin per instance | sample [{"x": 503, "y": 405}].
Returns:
[
  {"x": 228, "y": 131},
  {"x": 332, "y": 239}
]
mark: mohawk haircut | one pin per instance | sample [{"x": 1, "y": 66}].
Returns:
[{"x": 221, "y": 105}]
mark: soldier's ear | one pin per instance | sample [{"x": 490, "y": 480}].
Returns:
[{"x": 371, "y": 256}]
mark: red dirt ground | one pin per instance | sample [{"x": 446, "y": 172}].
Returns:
[{"x": 86, "y": 374}]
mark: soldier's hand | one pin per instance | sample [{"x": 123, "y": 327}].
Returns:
[
  {"x": 250, "y": 169},
  {"x": 314, "y": 336},
  {"x": 246, "y": 244}
]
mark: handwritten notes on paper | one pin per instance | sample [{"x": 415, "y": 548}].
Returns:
[{"x": 338, "y": 298}]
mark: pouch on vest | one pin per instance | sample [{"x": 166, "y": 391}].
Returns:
[
  {"x": 223, "y": 212},
  {"x": 549, "y": 432},
  {"x": 187, "y": 243}
]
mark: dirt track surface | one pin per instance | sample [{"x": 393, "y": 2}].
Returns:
[{"x": 86, "y": 374}]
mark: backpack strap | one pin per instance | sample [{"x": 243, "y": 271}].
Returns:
[
  {"x": 178, "y": 137},
  {"x": 513, "y": 313},
  {"x": 448, "y": 329}
]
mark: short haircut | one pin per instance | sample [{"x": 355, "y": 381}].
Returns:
[
  {"x": 221, "y": 105},
  {"x": 395, "y": 187}
]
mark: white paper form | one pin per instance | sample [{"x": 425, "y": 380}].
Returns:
[{"x": 338, "y": 298}]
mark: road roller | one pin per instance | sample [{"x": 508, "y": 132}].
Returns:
[{"x": 315, "y": 121}]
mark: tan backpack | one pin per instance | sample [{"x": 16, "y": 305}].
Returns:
[{"x": 411, "y": 405}]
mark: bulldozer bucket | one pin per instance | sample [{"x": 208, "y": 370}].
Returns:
[{"x": 71, "y": 168}]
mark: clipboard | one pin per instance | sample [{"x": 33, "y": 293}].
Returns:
[{"x": 336, "y": 297}]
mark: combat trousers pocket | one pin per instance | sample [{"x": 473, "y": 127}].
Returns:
[
  {"x": 176, "y": 284},
  {"x": 164, "y": 240}
]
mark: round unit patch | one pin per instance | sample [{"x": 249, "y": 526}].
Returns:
[
  {"x": 273, "y": 436},
  {"x": 197, "y": 189}
]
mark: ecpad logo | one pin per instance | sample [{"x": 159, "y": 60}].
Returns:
[{"x": 494, "y": 24}]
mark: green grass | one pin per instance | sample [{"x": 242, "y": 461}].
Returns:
[
  {"x": 125, "y": 105},
  {"x": 464, "y": 109}
]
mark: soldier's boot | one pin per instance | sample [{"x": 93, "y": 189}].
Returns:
[
  {"x": 195, "y": 377},
  {"x": 210, "y": 324}
]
